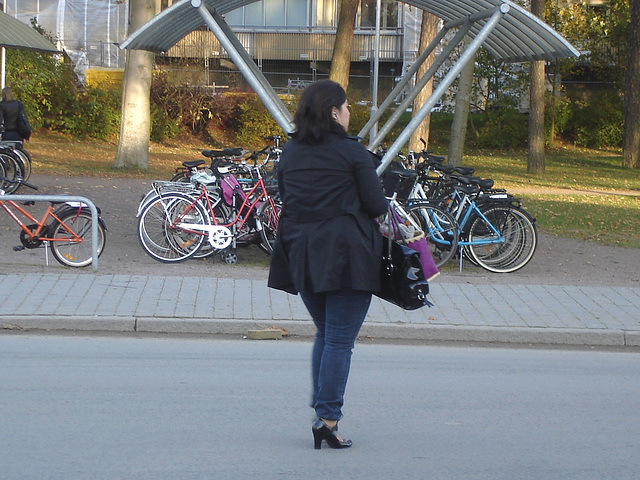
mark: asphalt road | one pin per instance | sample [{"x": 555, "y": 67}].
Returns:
[
  {"x": 557, "y": 261},
  {"x": 105, "y": 408}
]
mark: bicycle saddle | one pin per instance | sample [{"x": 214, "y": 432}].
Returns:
[
  {"x": 227, "y": 152},
  {"x": 192, "y": 163}
]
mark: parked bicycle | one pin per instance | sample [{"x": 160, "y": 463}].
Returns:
[
  {"x": 66, "y": 228},
  {"x": 215, "y": 213},
  {"x": 271, "y": 154},
  {"x": 493, "y": 231}
]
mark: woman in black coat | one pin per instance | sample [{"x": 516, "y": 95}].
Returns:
[
  {"x": 328, "y": 247},
  {"x": 10, "y": 109}
]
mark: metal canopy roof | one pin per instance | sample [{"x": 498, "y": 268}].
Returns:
[
  {"x": 509, "y": 32},
  {"x": 15, "y": 34},
  {"x": 520, "y": 36}
]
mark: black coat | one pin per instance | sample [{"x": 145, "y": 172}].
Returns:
[
  {"x": 9, "y": 111},
  {"x": 327, "y": 238}
]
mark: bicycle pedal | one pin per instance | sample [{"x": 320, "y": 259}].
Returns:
[{"x": 18, "y": 248}]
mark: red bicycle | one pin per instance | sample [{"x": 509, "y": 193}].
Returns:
[
  {"x": 174, "y": 225},
  {"x": 66, "y": 227}
]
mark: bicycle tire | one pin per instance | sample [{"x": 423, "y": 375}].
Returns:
[
  {"x": 12, "y": 169},
  {"x": 440, "y": 229},
  {"x": 159, "y": 239},
  {"x": 3, "y": 183},
  {"x": 25, "y": 160},
  {"x": 269, "y": 218},
  {"x": 180, "y": 177},
  {"x": 72, "y": 253},
  {"x": 516, "y": 250}
]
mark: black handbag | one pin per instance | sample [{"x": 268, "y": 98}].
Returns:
[
  {"x": 23, "y": 127},
  {"x": 402, "y": 280}
]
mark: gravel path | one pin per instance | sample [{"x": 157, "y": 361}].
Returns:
[{"x": 558, "y": 261}]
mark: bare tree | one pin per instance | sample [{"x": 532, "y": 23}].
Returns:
[
  {"x": 428, "y": 31},
  {"x": 341, "y": 59},
  {"x": 631, "y": 141},
  {"x": 535, "y": 157},
  {"x": 135, "y": 124},
  {"x": 461, "y": 115}
]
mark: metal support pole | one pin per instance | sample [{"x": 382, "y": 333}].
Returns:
[
  {"x": 376, "y": 68},
  {"x": 431, "y": 71},
  {"x": 404, "y": 80},
  {"x": 245, "y": 64},
  {"x": 67, "y": 198},
  {"x": 421, "y": 114}
]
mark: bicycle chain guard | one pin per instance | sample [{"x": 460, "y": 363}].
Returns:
[
  {"x": 219, "y": 237},
  {"x": 33, "y": 242}
]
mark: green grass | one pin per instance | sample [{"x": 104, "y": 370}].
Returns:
[
  {"x": 606, "y": 219},
  {"x": 570, "y": 168},
  {"x": 583, "y": 194}
]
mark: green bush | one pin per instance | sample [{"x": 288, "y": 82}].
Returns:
[
  {"x": 360, "y": 115},
  {"x": 254, "y": 123},
  {"x": 45, "y": 86},
  {"x": 558, "y": 109},
  {"x": 499, "y": 128},
  {"x": 163, "y": 126},
  {"x": 96, "y": 113},
  {"x": 598, "y": 121}
]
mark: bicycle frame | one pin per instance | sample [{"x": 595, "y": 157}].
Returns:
[
  {"x": 253, "y": 199},
  {"x": 469, "y": 207},
  {"x": 74, "y": 237}
]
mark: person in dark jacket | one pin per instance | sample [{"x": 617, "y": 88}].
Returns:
[
  {"x": 328, "y": 247},
  {"x": 10, "y": 108}
]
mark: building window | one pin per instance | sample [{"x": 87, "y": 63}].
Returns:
[
  {"x": 367, "y": 15},
  {"x": 295, "y": 13},
  {"x": 326, "y": 13},
  {"x": 274, "y": 13}
]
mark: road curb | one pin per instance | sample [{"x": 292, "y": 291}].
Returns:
[{"x": 435, "y": 333}]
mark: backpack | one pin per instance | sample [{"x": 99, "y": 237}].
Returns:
[{"x": 22, "y": 124}]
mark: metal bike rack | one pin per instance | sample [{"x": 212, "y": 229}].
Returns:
[{"x": 67, "y": 198}]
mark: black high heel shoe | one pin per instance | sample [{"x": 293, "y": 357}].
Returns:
[{"x": 321, "y": 431}]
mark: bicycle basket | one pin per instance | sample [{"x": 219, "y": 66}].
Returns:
[{"x": 400, "y": 182}]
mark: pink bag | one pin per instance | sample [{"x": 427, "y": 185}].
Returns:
[
  {"x": 229, "y": 186},
  {"x": 416, "y": 241},
  {"x": 420, "y": 245}
]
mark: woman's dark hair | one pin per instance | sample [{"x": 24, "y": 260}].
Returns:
[
  {"x": 7, "y": 95},
  {"x": 313, "y": 119}
]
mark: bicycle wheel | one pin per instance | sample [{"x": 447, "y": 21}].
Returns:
[
  {"x": 3, "y": 175},
  {"x": 12, "y": 169},
  {"x": 269, "y": 217},
  {"x": 65, "y": 248},
  {"x": 159, "y": 234},
  {"x": 180, "y": 177},
  {"x": 25, "y": 160},
  {"x": 440, "y": 229},
  {"x": 509, "y": 251}
]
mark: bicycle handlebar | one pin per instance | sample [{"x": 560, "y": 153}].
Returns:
[{"x": 19, "y": 180}]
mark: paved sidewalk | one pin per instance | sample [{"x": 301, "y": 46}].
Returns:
[{"x": 565, "y": 315}]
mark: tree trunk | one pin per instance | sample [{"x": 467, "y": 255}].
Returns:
[
  {"x": 428, "y": 31},
  {"x": 631, "y": 142},
  {"x": 341, "y": 59},
  {"x": 535, "y": 157},
  {"x": 135, "y": 120},
  {"x": 461, "y": 115}
]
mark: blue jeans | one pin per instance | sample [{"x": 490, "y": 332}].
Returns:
[{"x": 338, "y": 316}]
